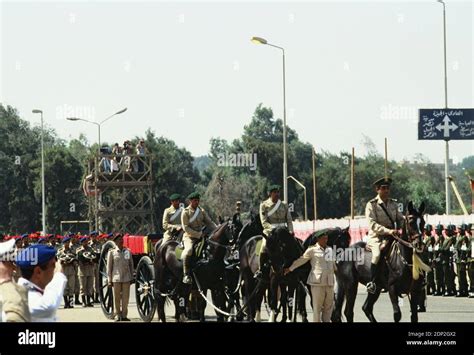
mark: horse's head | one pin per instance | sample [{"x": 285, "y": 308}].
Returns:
[
  {"x": 282, "y": 248},
  {"x": 340, "y": 238},
  {"x": 219, "y": 240},
  {"x": 250, "y": 229},
  {"x": 414, "y": 222}
]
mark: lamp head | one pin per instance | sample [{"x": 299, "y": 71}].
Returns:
[{"x": 259, "y": 40}]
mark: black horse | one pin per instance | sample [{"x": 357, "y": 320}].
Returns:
[
  {"x": 208, "y": 269},
  {"x": 282, "y": 249},
  {"x": 395, "y": 274}
]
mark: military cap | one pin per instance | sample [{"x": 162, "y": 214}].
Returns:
[
  {"x": 66, "y": 239},
  {"x": 110, "y": 235},
  {"x": 175, "y": 197},
  {"x": 38, "y": 254},
  {"x": 463, "y": 227},
  {"x": 83, "y": 239},
  {"x": 194, "y": 195},
  {"x": 274, "y": 188},
  {"x": 23, "y": 236},
  {"x": 383, "y": 182},
  {"x": 428, "y": 227},
  {"x": 7, "y": 250},
  {"x": 42, "y": 240},
  {"x": 439, "y": 227},
  {"x": 94, "y": 233},
  {"x": 318, "y": 234}
]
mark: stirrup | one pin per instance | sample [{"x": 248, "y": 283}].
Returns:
[
  {"x": 187, "y": 280},
  {"x": 371, "y": 287}
]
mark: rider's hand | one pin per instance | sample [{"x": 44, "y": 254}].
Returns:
[
  {"x": 286, "y": 271},
  {"x": 394, "y": 232}
]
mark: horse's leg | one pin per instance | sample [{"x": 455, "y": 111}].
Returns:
[
  {"x": 414, "y": 297},
  {"x": 285, "y": 302},
  {"x": 368, "y": 306},
  {"x": 273, "y": 299},
  {"x": 351, "y": 294},
  {"x": 302, "y": 303},
  {"x": 339, "y": 300},
  {"x": 160, "y": 306},
  {"x": 397, "y": 313}
]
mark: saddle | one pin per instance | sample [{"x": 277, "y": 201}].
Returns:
[{"x": 197, "y": 249}]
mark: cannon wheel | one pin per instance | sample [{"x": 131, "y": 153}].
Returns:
[
  {"x": 144, "y": 292},
  {"x": 106, "y": 296}
]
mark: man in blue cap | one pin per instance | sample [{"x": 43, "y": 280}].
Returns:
[
  {"x": 45, "y": 287},
  {"x": 13, "y": 297},
  {"x": 67, "y": 257}
]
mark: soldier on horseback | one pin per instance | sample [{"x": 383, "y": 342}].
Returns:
[
  {"x": 193, "y": 220},
  {"x": 273, "y": 213},
  {"x": 172, "y": 218},
  {"x": 384, "y": 221}
]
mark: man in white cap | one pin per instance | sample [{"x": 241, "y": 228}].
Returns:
[{"x": 13, "y": 297}]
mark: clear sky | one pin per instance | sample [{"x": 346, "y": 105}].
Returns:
[{"x": 189, "y": 71}]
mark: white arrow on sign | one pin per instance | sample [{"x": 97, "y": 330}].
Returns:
[{"x": 446, "y": 127}]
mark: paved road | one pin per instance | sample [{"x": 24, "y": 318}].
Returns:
[{"x": 439, "y": 309}]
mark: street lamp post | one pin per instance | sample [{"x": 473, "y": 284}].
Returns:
[
  {"x": 98, "y": 124},
  {"x": 97, "y": 162},
  {"x": 304, "y": 189},
  {"x": 446, "y": 164},
  {"x": 43, "y": 203},
  {"x": 259, "y": 40}
]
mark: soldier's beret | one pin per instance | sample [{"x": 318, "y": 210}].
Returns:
[
  {"x": 94, "y": 233},
  {"x": 318, "y": 234},
  {"x": 23, "y": 236},
  {"x": 428, "y": 227},
  {"x": 194, "y": 195},
  {"x": 83, "y": 239},
  {"x": 383, "y": 182},
  {"x": 66, "y": 239},
  {"x": 274, "y": 188},
  {"x": 175, "y": 197},
  {"x": 42, "y": 240},
  {"x": 439, "y": 227},
  {"x": 7, "y": 250},
  {"x": 35, "y": 255}
]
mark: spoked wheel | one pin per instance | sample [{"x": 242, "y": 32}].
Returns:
[
  {"x": 144, "y": 291},
  {"x": 105, "y": 293}
]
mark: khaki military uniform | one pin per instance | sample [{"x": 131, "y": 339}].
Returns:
[
  {"x": 274, "y": 215},
  {"x": 13, "y": 303},
  {"x": 120, "y": 274},
  {"x": 447, "y": 255},
  {"x": 171, "y": 222},
  {"x": 462, "y": 251},
  {"x": 86, "y": 271},
  {"x": 438, "y": 265},
  {"x": 192, "y": 222},
  {"x": 380, "y": 224},
  {"x": 321, "y": 280},
  {"x": 96, "y": 246},
  {"x": 68, "y": 259},
  {"x": 470, "y": 268},
  {"x": 74, "y": 247}
]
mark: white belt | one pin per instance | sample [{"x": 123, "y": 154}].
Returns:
[{"x": 277, "y": 225}]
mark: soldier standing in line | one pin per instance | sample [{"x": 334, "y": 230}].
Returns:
[{"x": 68, "y": 259}]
